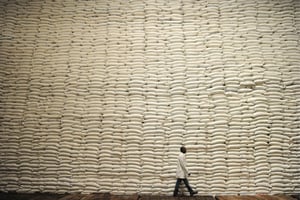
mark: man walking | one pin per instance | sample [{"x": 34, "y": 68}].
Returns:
[{"x": 182, "y": 173}]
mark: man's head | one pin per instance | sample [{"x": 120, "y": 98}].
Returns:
[{"x": 183, "y": 149}]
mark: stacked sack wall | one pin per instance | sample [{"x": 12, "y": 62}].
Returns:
[{"x": 98, "y": 96}]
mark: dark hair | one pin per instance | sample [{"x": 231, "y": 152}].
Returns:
[{"x": 183, "y": 149}]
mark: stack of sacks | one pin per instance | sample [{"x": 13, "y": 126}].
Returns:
[
  {"x": 218, "y": 126},
  {"x": 153, "y": 135},
  {"x": 291, "y": 86},
  {"x": 247, "y": 83},
  {"x": 114, "y": 102},
  {"x": 234, "y": 118},
  {"x": 260, "y": 138},
  {"x": 14, "y": 90},
  {"x": 290, "y": 89},
  {"x": 99, "y": 96},
  {"x": 13, "y": 106},
  {"x": 111, "y": 148},
  {"x": 278, "y": 141}
]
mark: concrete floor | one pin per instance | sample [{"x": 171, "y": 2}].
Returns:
[{"x": 107, "y": 196}]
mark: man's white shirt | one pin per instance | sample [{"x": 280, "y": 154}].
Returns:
[{"x": 182, "y": 171}]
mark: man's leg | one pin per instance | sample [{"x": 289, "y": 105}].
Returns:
[
  {"x": 186, "y": 182},
  {"x": 177, "y": 187}
]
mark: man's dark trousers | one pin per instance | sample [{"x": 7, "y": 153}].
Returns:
[{"x": 186, "y": 182}]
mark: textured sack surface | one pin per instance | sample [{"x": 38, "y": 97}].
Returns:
[{"x": 98, "y": 96}]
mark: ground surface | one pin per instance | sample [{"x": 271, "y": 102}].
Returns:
[{"x": 107, "y": 196}]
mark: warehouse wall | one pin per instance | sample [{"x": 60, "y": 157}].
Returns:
[{"x": 98, "y": 96}]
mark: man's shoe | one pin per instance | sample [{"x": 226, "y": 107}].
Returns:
[{"x": 193, "y": 193}]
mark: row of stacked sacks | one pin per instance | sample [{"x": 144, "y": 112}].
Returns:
[
  {"x": 230, "y": 152},
  {"x": 268, "y": 147},
  {"x": 99, "y": 98}
]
